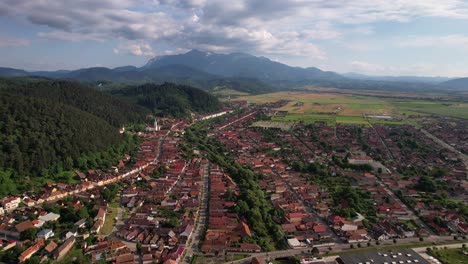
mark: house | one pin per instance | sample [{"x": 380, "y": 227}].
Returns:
[
  {"x": 28, "y": 201},
  {"x": 348, "y": 227},
  {"x": 11, "y": 203},
  {"x": 360, "y": 160},
  {"x": 49, "y": 217},
  {"x": 249, "y": 247},
  {"x": 71, "y": 233},
  {"x": 294, "y": 243},
  {"x": 51, "y": 247},
  {"x": 81, "y": 223},
  {"x": 45, "y": 233},
  {"x": 21, "y": 227},
  {"x": 101, "y": 215},
  {"x": 30, "y": 251},
  {"x": 64, "y": 248}
]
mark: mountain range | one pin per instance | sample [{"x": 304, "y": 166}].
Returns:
[{"x": 242, "y": 72}]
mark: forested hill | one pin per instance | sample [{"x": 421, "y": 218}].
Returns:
[
  {"x": 112, "y": 110},
  {"x": 50, "y": 127},
  {"x": 36, "y": 134},
  {"x": 170, "y": 99}
]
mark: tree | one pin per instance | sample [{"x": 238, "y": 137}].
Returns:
[
  {"x": 83, "y": 212},
  {"x": 315, "y": 251},
  {"x": 138, "y": 247},
  {"x": 29, "y": 234}
]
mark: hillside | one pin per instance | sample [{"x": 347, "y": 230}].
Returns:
[
  {"x": 49, "y": 127},
  {"x": 459, "y": 84},
  {"x": 37, "y": 134},
  {"x": 170, "y": 99},
  {"x": 102, "y": 105}
]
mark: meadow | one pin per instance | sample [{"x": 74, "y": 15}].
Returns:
[{"x": 333, "y": 108}]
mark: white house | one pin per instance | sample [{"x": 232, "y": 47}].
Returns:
[
  {"x": 49, "y": 217},
  {"x": 45, "y": 233},
  {"x": 11, "y": 203}
]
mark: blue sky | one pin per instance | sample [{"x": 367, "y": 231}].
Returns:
[{"x": 378, "y": 37}]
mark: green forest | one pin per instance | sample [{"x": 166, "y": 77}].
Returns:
[
  {"x": 112, "y": 110},
  {"x": 170, "y": 99},
  {"x": 48, "y": 128}
]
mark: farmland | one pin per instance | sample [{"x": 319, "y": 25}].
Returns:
[{"x": 332, "y": 108}]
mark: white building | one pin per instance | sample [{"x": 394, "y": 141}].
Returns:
[
  {"x": 45, "y": 233},
  {"x": 11, "y": 203}
]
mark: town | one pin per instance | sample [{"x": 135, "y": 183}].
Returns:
[{"x": 233, "y": 187}]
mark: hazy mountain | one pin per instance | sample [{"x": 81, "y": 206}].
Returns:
[
  {"x": 176, "y": 73},
  {"x": 459, "y": 84},
  {"x": 416, "y": 79},
  {"x": 10, "y": 72},
  {"x": 240, "y": 65},
  {"x": 238, "y": 71}
]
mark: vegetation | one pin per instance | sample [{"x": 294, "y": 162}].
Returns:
[
  {"x": 169, "y": 99},
  {"x": 448, "y": 256},
  {"x": 74, "y": 94},
  {"x": 47, "y": 131}
]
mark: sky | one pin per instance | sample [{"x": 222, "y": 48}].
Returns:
[{"x": 377, "y": 37}]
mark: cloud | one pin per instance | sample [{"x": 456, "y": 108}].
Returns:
[
  {"x": 139, "y": 48},
  {"x": 8, "y": 41},
  {"x": 58, "y": 22},
  {"x": 274, "y": 27}
]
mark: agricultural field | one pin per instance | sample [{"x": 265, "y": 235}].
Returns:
[{"x": 310, "y": 107}]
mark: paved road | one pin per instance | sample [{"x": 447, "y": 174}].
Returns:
[
  {"x": 237, "y": 120},
  {"x": 442, "y": 143},
  {"x": 413, "y": 242},
  {"x": 196, "y": 236}
]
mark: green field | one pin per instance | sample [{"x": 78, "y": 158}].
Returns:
[
  {"x": 110, "y": 219},
  {"x": 310, "y": 107},
  {"x": 451, "y": 256}
]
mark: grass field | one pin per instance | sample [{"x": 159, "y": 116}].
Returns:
[
  {"x": 110, "y": 219},
  {"x": 451, "y": 256},
  {"x": 333, "y": 108}
]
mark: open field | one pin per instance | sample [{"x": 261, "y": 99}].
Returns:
[
  {"x": 451, "y": 255},
  {"x": 310, "y": 107},
  {"x": 226, "y": 93}
]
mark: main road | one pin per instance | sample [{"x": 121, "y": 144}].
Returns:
[
  {"x": 200, "y": 224},
  {"x": 410, "y": 242}
]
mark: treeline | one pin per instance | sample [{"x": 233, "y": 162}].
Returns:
[
  {"x": 114, "y": 111},
  {"x": 251, "y": 203},
  {"x": 170, "y": 99}
]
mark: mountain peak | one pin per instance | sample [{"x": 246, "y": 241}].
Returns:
[{"x": 239, "y": 64}]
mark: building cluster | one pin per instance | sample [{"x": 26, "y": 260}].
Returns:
[{"x": 225, "y": 231}]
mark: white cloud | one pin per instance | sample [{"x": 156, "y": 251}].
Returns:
[
  {"x": 274, "y": 27},
  {"x": 139, "y": 48}
]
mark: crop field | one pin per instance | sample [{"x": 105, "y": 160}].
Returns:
[{"x": 310, "y": 107}]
